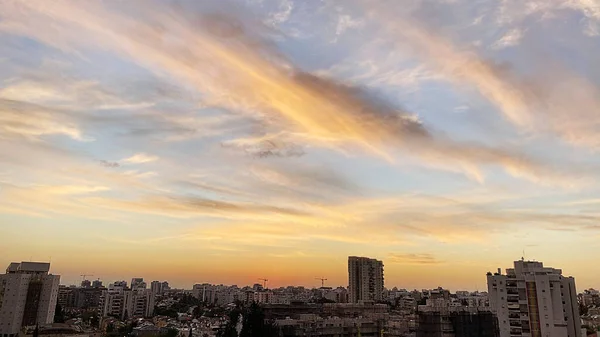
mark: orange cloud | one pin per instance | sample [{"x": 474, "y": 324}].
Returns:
[{"x": 233, "y": 68}]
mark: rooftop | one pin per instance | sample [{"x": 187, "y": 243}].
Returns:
[{"x": 33, "y": 267}]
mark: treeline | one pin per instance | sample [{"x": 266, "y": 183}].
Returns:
[{"x": 253, "y": 323}]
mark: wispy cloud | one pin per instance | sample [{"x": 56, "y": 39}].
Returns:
[
  {"x": 411, "y": 258},
  {"x": 328, "y": 113},
  {"x": 551, "y": 100},
  {"x": 140, "y": 158},
  {"x": 214, "y": 128},
  {"x": 22, "y": 119},
  {"x": 510, "y": 39}
]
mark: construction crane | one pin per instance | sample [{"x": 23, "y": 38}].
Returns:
[
  {"x": 264, "y": 282},
  {"x": 322, "y": 281},
  {"x": 84, "y": 276}
]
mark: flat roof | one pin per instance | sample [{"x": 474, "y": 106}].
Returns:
[{"x": 39, "y": 267}]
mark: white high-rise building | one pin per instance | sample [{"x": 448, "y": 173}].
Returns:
[
  {"x": 28, "y": 295},
  {"x": 534, "y": 301},
  {"x": 365, "y": 278},
  {"x": 139, "y": 303},
  {"x": 138, "y": 283},
  {"x": 127, "y": 303}
]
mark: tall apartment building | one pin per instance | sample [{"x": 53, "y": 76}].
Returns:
[
  {"x": 441, "y": 317},
  {"x": 139, "y": 303},
  {"x": 79, "y": 298},
  {"x": 165, "y": 286},
  {"x": 159, "y": 288},
  {"x": 28, "y": 295},
  {"x": 122, "y": 302},
  {"x": 534, "y": 301},
  {"x": 365, "y": 278},
  {"x": 156, "y": 287},
  {"x": 138, "y": 283}
]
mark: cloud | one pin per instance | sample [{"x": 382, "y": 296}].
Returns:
[
  {"x": 411, "y": 258},
  {"x": 107, "y": 163},
  {"x": 551, "y": 99},
  {"x": 49, "y": 200},
  {"x": 237, "y": 70},
  {"x": 266, "y": 146},
  {"x": 346, "y": 22},
  {"x": 31, "y": 121},
  {"x": 510, "y": 39},
  {"x": 140, "y": 158},
  {"x": 282, "y": 14},
  {"x": 179, "y": 206}
]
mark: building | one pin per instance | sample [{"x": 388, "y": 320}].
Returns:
[
  {"x": 79, "y": 298},
  {"x": 165, "y": 286},
  {"x": 138, "y": 283},
  {"x": 159, "y": 288},
  {"x": 28, "y": 296},
  {"x": 156, "y": 287},
  {"x": 365, "y": 277},
  {"x": 338, "y": 295},
  {"x": 457, "y": 323},
  {"x": 446, "y": 318},
  {"x": 121, "y": 302},
  {"x": 533, "y": 300},
  {"x": 138, "y": 303},
  {"x": 313, "y": 325}
]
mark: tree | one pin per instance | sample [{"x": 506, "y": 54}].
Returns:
[
  {"x": 95, "y": 321},
  {"x": 229, "y": 329},
  {"x": 110, "y": 328},
  {"x": 255, "y": 324},
  {"x": 171, "y": 332},
  {"x": 583, "y": 309},
  {"x": 59, "y": 315},
  {"x": 324, "y": 300},
  {"x": 160, "y": 311}
]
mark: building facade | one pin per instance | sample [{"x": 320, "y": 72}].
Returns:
[
  {"x": 313, "y": 325},
  {"x": 442, "y": 317},
  {"x": 156, "y": 287},
  {"x": 365, "y": 278},
  {"x": 138, "y": 283},
  {"x": 120, "y": 302},
  {"x": 28, "y": 296},
  {"x": 535, "y": 301}
]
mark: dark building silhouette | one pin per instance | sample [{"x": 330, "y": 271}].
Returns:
[{"x": 460, "y": 323}]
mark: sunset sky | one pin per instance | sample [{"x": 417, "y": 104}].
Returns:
[{"x": 226, "y": 141}]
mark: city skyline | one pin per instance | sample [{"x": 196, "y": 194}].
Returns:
[
  {"x": 311, "y": 282},
  {"x": 227, "y": 141}
]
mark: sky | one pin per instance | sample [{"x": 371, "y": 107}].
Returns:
[{"x": 227, "y": 141}]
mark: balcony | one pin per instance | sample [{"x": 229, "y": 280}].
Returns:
[
  {"x": 515, "y": 331},
  {"x": 512, "y": 299}
]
